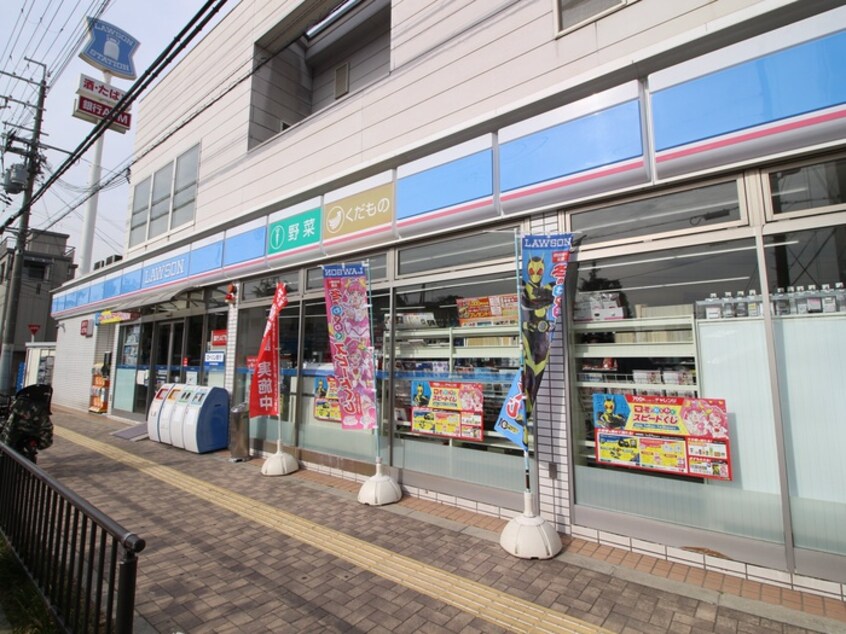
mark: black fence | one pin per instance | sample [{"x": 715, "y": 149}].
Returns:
[{"x": 83, "y": 562}]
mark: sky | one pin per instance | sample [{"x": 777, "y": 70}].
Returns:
[{"x": 53, "y": 32}]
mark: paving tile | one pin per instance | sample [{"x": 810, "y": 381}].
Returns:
[{"x": 207, "y": 569}]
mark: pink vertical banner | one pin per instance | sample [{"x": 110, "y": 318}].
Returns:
[{"x": 348, "y": 318}]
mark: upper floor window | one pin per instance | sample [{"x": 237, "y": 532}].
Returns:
[
  {"x": 575, "y": 13},
  {"x": 165, "y": 201},
  {"x": 818, "y": 187},
  {"x": 36, "y": 270},
  {"x": 307, "y": 62}
]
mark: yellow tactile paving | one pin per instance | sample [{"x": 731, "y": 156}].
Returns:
[{"x": 472, "y": 597}]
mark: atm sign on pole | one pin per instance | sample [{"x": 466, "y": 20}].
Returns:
[{"x": 93, "y": 111}]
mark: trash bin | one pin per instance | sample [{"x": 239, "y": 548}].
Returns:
[{"x": 239, "y": 432}]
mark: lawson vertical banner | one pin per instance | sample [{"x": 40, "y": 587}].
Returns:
[
  {"x": 543, "y": 267},
  {"x": 348, "y": 320},
  {"x": 264, "y": 388}
]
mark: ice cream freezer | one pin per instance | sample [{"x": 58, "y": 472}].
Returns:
[{"x": 191, "y": 417}]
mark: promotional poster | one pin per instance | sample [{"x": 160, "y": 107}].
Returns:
[
  {"x": 543, "y": 268},
  {"x": 452, "y": 409},
  {"x": 348, "y": 320},
  {"x": 684, "y": 436},
  {"x": 326, "y": 404}
]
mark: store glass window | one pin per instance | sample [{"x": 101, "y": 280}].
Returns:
[
  {"x": 130, "y": 389},
  {"x": 673, "y": 417},
  {"x": 806, "y": 272},
  {"x": 216, "y": 338},
  {"x": 674, "y": 212},
  {"x": 265, "y": 286},
  {"x": 455, "y": 353},
  {"x": 378, "y": 271},
  {"x": 321, "y": 420},
  {"x": 820, "y": 186},
  {"x": 486, "y": 246},
  {"x": 251, "y": 325}
]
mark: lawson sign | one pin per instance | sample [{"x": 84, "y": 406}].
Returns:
[{"x": 110, "y": 49}]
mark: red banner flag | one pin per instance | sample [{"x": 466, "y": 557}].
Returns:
[{"x": 264, "y": 388}]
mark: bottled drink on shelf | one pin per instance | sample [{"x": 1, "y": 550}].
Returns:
[
  {"x": 813, "y": 299},
  {"x": 801, "y": 300},
  {"x": 829, "y": 300},
  {"x": 728, "y": 305},
  {"x": 781, "y": 306},
  {"x": 840, "y": 297},
  {"x": 713, "y": 307},
  {"x": 791, "y": 300},
  {"x": 754, "y": 306},
  {"x": 741, "y": 305}
]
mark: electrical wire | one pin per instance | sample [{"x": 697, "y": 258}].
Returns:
[{"x": 182, "y": 39}]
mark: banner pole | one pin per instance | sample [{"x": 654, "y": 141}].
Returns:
[
  {"x": 280, "y": 463},
  {"x": 528, "y": 536},
  {"x": 528, "y": 507},
  {"x": 377, "y": 428},
  {"x": 380, "y": 488}
]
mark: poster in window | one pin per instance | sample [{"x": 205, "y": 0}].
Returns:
[
  {"x": 668, "y": 434},
  {"x": 447, "y": 408},
  {"x": 326, "y": 405}
]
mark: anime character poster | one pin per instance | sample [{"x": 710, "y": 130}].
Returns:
[
  {"x": 264, "y": 388},
  {"x": 326, "y": 406},
  {"x": 671, "y": 434},
  {"x": 446, "y": 408},
  {"x": 348, "y": 320},
  {"x": 543, "y": 267}
]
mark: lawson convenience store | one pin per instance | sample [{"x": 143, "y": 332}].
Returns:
[{"x": 720, "y": 175}]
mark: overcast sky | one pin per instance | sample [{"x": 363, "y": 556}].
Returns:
[{"x": 49, "y": 31}]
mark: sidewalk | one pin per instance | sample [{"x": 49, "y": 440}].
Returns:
[{"x": 230, "y": 550}]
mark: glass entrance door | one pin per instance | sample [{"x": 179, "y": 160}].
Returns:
[{"x": 168, "y": 353}]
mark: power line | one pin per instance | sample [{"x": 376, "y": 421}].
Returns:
[{"x": 189, "y": 32}]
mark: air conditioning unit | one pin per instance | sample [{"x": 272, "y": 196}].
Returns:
[
  {"x": 112, "y": 259},
  {"x": 14, "y": 180}
]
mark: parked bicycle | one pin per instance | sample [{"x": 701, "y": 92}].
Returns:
[{"x": 27, "y": 427}]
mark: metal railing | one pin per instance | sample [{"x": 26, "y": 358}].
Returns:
[{"x": 83, "y": 562}]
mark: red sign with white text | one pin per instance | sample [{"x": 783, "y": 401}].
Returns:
[
  {"x": 94, "y": 111},
  {"x": 218, "y": 338}
]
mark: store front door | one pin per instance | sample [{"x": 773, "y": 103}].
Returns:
[{"x": 168, "y": 353}]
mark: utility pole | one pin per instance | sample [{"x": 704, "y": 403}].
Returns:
[{"x": 7, "y": 376}]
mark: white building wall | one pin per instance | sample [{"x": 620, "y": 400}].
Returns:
[
  {"x": 453, "y": 65},
  {"x": 72, "y": 371}
]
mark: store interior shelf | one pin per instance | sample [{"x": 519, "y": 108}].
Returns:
[
  {"x": 682, "y": 322},
  {"x": 634, "y": 350}
]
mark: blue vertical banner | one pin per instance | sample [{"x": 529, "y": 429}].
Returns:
[{"x": 543, "y": 265}]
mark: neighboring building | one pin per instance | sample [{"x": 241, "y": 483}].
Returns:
[
  {"x": 694, "y": 147},
  {"x": 48, "y": 263}
]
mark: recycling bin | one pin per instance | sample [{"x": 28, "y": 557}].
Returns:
[
  {"x": 155, "y": 410},
  {"x": 204, "y": 426},
  {"x": 239, "y": 432}
]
